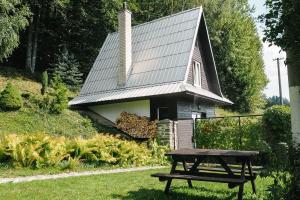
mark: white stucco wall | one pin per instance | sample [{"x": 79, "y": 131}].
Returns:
[{"x": 113, "y": 111}]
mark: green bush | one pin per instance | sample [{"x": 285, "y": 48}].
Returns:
[
  {"x": 226, "y": 134},
  {"x": 10, "y": 98},
  {"x": 277, "y": 123},
  {"x": 42, "y": 150},
  {"x": 44, "y": 82},
  {"x": 58, "y": 99}
]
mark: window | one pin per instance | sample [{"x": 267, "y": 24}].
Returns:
[
  {"x": 162, "y": 113},
  {"x": 197, "y": 73}
]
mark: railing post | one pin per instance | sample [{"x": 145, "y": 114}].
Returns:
[{"x": 240, "y": 132}]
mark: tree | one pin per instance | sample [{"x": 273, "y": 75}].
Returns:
[
  {"x": 13, "y": 19},
  {"x": 283, "y": 29},
  {"x": 275, "y": 100},
  {"x": 41, "y": 10},
  {"x": 67, "y": 68}
]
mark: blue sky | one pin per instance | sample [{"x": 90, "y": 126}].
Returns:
[{"x": 269, "y": 53}]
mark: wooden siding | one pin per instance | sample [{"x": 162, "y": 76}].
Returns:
[
  {"x": 185, "y": 108},
  {"x": 198, "y": 56},
  {"x": 185, "y": 134},
  {"x": 202, "y": 52}
]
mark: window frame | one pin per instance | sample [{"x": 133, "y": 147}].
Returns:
[{"x": 197, "y": 73}]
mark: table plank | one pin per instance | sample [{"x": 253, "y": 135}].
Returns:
[{"x": 212, "y": 152}]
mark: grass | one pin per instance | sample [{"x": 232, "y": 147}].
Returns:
[
  {"x": 30, "y": 120},
  {"x": 25, "y": 82},
  {"x": 69, "y": 123},
  {"x": 126, "y": 186}
]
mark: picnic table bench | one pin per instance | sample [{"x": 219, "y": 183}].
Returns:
[{"x": 194, "y": 168}]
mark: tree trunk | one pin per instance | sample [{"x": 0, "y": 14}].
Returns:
[
  {"x": 293, "y": 63},
  {"x": 32, "y": 41},
  {"x": 29, "y": 46},
  {"x": 35, "y": 42}
]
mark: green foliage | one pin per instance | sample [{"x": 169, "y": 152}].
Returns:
[
  {"x": 237, "y": 50},
  {"x": 282, "y": 23},
  {"x": 280, "y": 190},
  {"x": 67, "y": 68},
  {"x": 58, "y": 99},
  {"x": 226, "y": 134},
  {"x": 41, "y": 150},
  {"x": 277, "y": 122},
  {"x": 13, "y": 19},
  {"x": 44, "y": 82},
  {"x": 10, "y": 98}
]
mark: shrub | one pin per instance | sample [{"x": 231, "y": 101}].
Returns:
[
  {"x": 10, "y": 98},
  {"x": 58, "y": 99},
  {"x": 226, "y": 134},
  {"x": 44, "y": 82},
  {"x": 42, "y": 150},
  {"x": 136, "y": 126},
  {"x": 277, "y": 123}
]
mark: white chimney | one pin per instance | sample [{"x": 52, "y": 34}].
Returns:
[{"x": 125, "y": 50}]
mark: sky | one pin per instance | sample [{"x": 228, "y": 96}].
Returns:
[{"x": 269, "y": 53}]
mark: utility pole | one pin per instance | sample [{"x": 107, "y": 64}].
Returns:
[{"x": 279, "y": 79}]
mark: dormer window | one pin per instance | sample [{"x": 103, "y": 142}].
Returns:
[{"x": 197, "y": 73}]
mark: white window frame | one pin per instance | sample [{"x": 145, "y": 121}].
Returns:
[{"x": 197, "y": 73}]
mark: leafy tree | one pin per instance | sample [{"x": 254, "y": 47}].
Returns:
[
  {"x": 237, "y": 51},
  {"x": 67, "y": 68},
  {"x": 10, "y": 98},
  {"x": 13, "y": 19},
  {"x": 283, "y": 29},
  {"x": 41, "y": 11}
]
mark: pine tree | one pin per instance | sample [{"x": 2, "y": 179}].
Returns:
[{"x": 67, "y": 68}]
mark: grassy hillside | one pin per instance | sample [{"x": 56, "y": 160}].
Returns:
[
  {"x": 32, "y": 120},
  {"x": 24, "y": 82}
]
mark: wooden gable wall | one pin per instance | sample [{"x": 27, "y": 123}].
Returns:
[{"x": 202, "y": 53}]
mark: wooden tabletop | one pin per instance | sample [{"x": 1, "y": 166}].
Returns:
[{"x": 212, "y": 152}]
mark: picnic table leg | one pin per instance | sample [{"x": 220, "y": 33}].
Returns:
[
  {"x": 251, "y": 176},
  {"x": 241, "y": 188},
  {"x": 186, "y": 169},
  {"x": 167, "y": 188}
]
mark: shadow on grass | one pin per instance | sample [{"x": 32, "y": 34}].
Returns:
[{"x": 195, "y": 193}]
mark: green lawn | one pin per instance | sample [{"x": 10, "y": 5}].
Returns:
[{"x": 125, "y": 186}]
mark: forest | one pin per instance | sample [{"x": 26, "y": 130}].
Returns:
[{"x": 45, "y": 35}]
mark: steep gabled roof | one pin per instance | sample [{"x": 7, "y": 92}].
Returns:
[{"x": 161, "y": 50}]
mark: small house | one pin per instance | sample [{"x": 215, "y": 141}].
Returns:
[{"x": 162, "y": 69}]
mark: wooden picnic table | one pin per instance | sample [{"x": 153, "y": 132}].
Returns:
[{"x": 226, "y": 173}]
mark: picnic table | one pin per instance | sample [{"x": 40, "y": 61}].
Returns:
[{"x": 195, "y": 168}]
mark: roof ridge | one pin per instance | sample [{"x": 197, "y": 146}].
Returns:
[{"x": 162, "y": 18}]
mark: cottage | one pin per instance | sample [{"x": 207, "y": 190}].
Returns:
[{"x": 162, "y": 69}]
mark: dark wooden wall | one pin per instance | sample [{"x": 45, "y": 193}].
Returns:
[
  {"x": 202, "y": 52},
  {"x": 185, "y": 108}
]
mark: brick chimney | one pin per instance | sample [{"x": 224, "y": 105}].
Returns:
[{"x": 125, "y": 49}]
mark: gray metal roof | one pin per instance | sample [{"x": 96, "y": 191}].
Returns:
[{"x": 161, "y": 51}]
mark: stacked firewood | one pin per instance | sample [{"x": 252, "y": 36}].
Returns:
[{"x": 136, "y": 126}]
